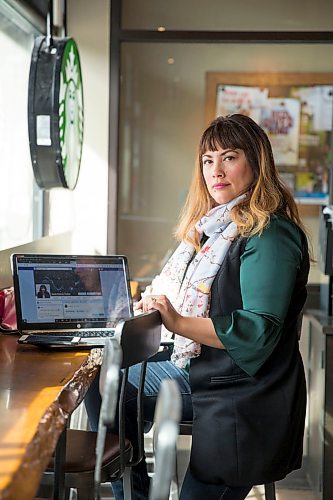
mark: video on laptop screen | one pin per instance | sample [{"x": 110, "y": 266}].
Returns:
[{"x": 66, "y": 290}]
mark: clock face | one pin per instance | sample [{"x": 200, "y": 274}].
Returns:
[{"x": 70, "y": 113}]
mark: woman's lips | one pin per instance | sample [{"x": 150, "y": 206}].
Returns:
[{"x": 220, "y": 185}]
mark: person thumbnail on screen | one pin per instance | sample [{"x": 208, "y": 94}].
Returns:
[{"x": 43, "y": 292}]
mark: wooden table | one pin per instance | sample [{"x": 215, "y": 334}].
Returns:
[{"x": 39, "y": 389}]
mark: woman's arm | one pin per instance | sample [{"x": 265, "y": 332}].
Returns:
[{"x": 200, "y": 330}]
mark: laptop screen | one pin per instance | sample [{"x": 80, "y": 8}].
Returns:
[{"x": 66, "y": 291}]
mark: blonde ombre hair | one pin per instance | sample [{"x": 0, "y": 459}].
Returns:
[{"x": 267, "y": 193}]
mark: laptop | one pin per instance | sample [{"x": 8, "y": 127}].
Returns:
[{"x": 70, "y": 300}]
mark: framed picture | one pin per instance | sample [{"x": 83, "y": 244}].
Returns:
[{"x": 296, "y": 111}]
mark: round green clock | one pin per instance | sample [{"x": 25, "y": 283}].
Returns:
[{"x": 55, "y": 112}]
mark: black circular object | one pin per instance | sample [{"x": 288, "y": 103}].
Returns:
[{"x": 55, "y": 112}]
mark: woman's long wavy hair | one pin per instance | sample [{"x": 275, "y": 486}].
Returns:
[{"x": 267, "y": 192}]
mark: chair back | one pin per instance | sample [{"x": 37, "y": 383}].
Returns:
[
  {"x": 139, "y": 337},
  {"x": 109, "y": 380},
  {"x": 166, "y": 429},
  {"x": 109, "y": 383}
]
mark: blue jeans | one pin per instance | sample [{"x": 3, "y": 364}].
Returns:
[{"x": 192, "y": 489}]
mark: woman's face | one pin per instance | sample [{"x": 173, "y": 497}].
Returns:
[{"x": 227, "y": 174}]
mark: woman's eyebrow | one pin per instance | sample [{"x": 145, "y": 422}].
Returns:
[{"x": 228, "y": 151}]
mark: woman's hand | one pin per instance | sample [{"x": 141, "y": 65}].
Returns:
[
  {"x": 138, "y": 305},
  {"x": 170, "y": 317}
]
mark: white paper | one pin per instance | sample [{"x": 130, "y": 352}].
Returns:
[
  {"x": 240, "y": 99},
  {"x": 322, "y": 117},
  {"x": 43, "y": 130},
  {"x": 280, "y": 119}
]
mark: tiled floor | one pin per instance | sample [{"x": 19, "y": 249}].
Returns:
[{"x": 257, "y": 493}]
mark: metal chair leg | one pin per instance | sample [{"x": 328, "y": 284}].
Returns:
[
  {"x": 270, "y": 491},
  {"x": 127, "y": 483},
  {"x": 59, "y": 475}
]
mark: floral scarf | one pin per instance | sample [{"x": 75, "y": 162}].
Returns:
[{"x": 187, "y": 280}]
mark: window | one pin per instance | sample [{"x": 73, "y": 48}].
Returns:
[{"x": 21, "y": 200}]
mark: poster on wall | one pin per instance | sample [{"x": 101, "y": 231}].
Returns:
[
  {"x": 314, "y": 140},
  {"x": 311, "y": 184},
  {"x": 280, "y": 118},
  {"x": 240, "y": 99},
  {"x": 317, "y": 104}
]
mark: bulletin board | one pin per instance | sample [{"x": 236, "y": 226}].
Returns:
[{"x": 296, "y": 111}]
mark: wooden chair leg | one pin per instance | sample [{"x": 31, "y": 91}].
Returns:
[{"x": 270, "y": 491}]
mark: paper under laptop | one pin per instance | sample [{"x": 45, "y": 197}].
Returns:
[{"x": 70, "y": 300}]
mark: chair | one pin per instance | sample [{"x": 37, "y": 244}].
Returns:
[
  {"x": 166, "y": 428},
  {"x": 84, "y": 465}
]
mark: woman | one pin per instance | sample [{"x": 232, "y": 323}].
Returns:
[
  {"x": 232, "y": 295},
  {"x": 43, "y": 293}
]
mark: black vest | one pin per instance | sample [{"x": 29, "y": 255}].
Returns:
[{"x": 248, "y": 430}]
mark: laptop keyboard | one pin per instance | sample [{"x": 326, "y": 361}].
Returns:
[
  {"x": 84, "y": 338},
  {"x": 77, "y": 333},
  {"x": 101, "y": 333}
]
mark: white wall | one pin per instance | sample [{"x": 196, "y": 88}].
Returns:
[{"x": 84, "y": 210}]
